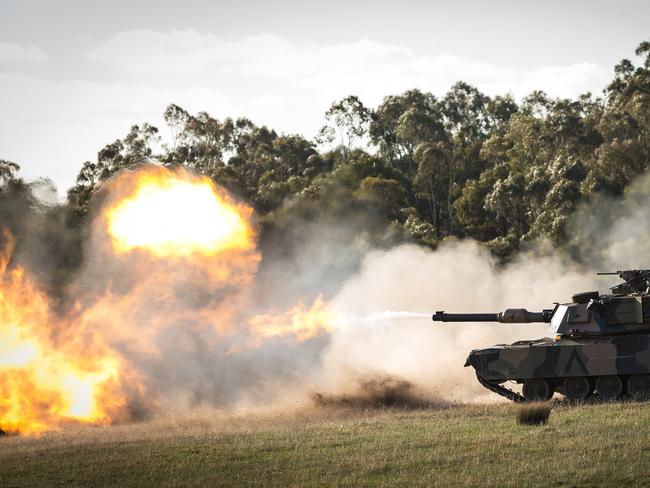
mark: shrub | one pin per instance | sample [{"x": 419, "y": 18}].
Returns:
[{"x": 533, "y": 414}]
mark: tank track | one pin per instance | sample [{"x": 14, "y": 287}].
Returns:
[{"x": 501, "y": 390}]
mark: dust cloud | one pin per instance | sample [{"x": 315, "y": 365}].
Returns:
[
  {"x": 458, "y": 277},
  {"x": 188, "y": 334},
  {"x": 612, "y": 234}
]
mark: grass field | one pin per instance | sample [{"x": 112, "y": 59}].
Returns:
[{"x": 606, "y": 445}]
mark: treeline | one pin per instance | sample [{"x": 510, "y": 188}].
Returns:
[{"x": 417, "y": 167}]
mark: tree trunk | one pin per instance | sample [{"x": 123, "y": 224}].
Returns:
[
  {"x": 449, "y": 206},
  {"x": 432, "y": 206}
]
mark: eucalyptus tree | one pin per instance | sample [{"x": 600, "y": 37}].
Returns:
[
  {"x": 120, "y": 154},
  {"x": 8, "y": 171},
  {"x": 402, "y": 122},
  {"x": 346, "y": 121}
]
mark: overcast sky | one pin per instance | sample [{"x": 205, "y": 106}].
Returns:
[{"x": 75, "y": 75}]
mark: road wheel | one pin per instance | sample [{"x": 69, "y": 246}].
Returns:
[
  {"x": 537, "y": 390},
  {"x": 638, "y": 386},
  {"x": 576, "y": 388},
  {"x": 609, "y": 387}
]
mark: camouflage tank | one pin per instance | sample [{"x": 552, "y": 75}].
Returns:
[{"x": 599, "y": 344}]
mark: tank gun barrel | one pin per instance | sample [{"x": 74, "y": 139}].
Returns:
[
  {"x": 508, "y": 316},
  {"x": 465, "y": 317}
]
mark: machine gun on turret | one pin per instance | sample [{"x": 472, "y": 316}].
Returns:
[{"x": 635, "y": 281}]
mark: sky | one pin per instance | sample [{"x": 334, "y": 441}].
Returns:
[{"x": 76, "y": 75}]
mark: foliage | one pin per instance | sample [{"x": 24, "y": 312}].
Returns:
[
  {"x": 416, "y": 167},
  {"x": 346, "y": 120},
  {"x": 8, "y": 170}
]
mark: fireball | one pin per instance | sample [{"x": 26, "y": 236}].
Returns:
[
  {"x": 177, "y": 214},
  {"x": 43, "y": 386}
]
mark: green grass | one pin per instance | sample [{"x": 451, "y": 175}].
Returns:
[{"x": 604, "y": 445}]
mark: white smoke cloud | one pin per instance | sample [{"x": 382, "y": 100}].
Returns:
[
  {"x": 612, "y": 234},
  {"x": 459, "y": 277}
]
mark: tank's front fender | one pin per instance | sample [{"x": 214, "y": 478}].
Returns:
[{"x": 479, "y": 359}]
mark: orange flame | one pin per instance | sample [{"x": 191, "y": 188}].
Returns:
[
  {"x": 162, "y": 226},
  {"x": 300, "y": 322},
  {"x": 42, "y": 386}
]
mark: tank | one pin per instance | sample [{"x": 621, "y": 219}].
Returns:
[{"x": 598, "y": 345}]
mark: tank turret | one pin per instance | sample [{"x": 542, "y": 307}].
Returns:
[{"x": 598, "y": 344}]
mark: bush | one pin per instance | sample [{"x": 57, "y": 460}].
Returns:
[{"x": 534, "y": 414}]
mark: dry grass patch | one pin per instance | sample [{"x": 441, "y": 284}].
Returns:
[{"x": 534, "y": 414}]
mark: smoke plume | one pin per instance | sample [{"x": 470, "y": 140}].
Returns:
[
  {"x": 175, "y": 307},
  {"x": 612, "y": 234},
  {"x": 458, "y": 277}
]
